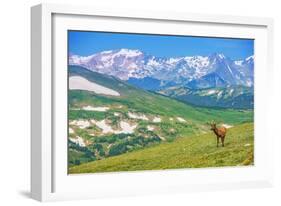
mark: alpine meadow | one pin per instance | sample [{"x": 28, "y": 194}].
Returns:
[{"x": 154, "y": 102}]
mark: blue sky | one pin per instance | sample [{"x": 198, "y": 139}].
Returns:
[{"x": 87, "y": 43}]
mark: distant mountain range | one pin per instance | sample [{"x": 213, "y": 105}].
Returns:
[
  {"x": 191, "y": 73},
  {"x": 238, "y": 97}
]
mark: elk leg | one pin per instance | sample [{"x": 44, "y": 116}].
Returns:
[
  {"x": 217, "y": 141},
  {"x": 222, "y": 141}
]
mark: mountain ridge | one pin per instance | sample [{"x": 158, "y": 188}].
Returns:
[{"x": 126, "y": 64}]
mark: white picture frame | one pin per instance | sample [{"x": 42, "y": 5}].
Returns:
[{"x": 49, "y": 179}]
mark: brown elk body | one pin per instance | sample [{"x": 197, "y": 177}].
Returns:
[{"x": 220, "y": 132}]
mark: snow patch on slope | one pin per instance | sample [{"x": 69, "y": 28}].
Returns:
[
  {"x": 78, "y": 140},
  {"x": 99, "y": 109},
  {"x": 80, "y": 83}
]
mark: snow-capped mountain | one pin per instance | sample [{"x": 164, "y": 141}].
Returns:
[{"x": 142, "y": 69}]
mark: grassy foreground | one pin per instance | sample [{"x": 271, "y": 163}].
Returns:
[{"x": 188, "y": 152}]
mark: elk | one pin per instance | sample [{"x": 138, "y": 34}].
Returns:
[{"x": 220, "y": 132}]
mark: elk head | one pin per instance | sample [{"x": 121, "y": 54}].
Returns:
[{"x": 213, "y": 125}]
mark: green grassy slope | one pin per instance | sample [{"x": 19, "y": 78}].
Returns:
[
  {"x": 187, "y": 152},
  {"x": 146, "y": 102}
]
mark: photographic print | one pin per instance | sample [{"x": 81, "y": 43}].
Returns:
[{"x": 155, "y": 102}]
